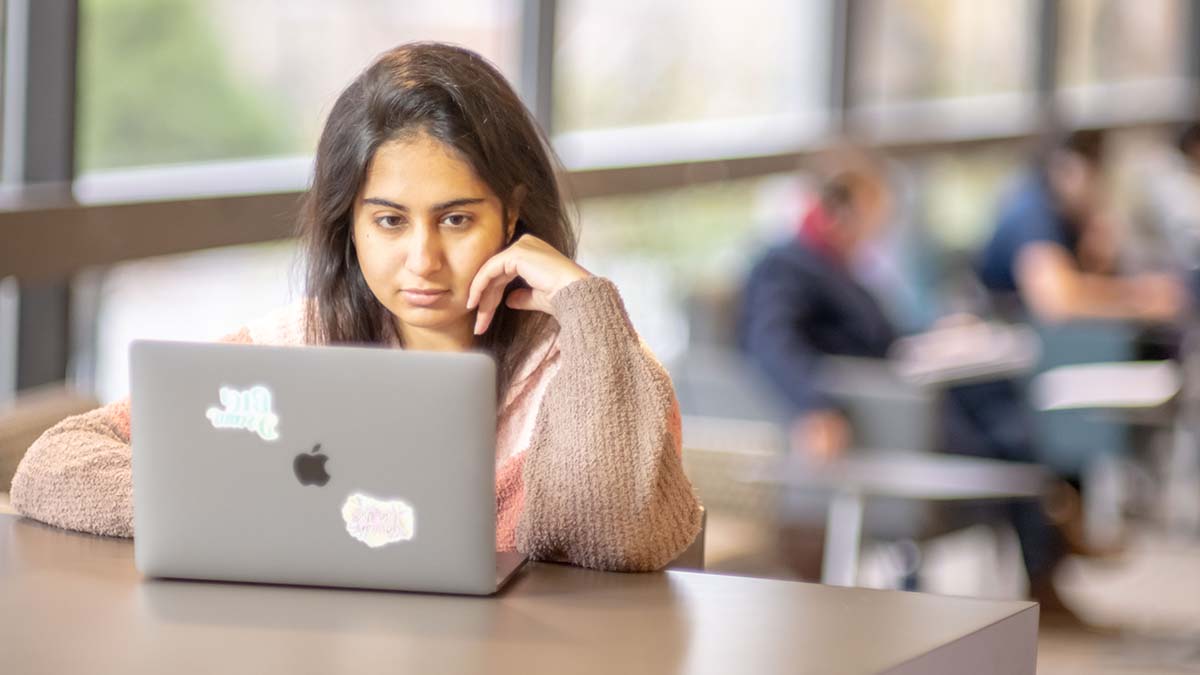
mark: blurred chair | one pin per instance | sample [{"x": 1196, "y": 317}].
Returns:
[
  {"x": 1130, "y": 390},
  {"x": 1069, "y": 438},
  {"x": 26, "y": 418},
  {"x": 893, "y": 416},
  {"x": 1124, "y": 426}
]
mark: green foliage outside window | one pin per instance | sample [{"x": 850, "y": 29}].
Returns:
[{"x": 155, "y": 87}]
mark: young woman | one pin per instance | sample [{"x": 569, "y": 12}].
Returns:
[{"x": 435, "y": 221}]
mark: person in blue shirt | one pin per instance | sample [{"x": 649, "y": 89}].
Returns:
[
  {"x": 1052, "y": 261},
  {"x": 1052, "y": 256}
]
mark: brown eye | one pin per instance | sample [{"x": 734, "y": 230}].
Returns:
[
  {"x": 388, "y": 222},
  {"x": 457, "y": 220}
]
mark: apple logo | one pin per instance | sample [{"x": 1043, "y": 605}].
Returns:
[{"x": 310, "y": 467}]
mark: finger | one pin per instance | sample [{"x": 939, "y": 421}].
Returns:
[
  {"x": 506, "y": 262},
  {"x": 532, "y": 300},
  {"x": 489, "y": 300},
  {"x": 522, "y": 298},
  {"x": 494, "y": 267}
]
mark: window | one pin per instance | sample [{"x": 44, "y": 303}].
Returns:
[
  {"x": 665, "y": 248},
  {"x": 182, "y": 81},
  {"x": 942, "y": 69},
  {"x": 197, "y": 296},
  {"x": 1122, "y": 61},
  {"x": 1106, "y": 41},
  {"x": 921, "y": 49},
  {"x": 658, "y": 67}
]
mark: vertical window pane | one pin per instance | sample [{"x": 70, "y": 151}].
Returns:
[
  {"x": 627, "y": 63},
  {"x": 663, "y": 247},
  {"x": 1106, "y": 41},
  {"x": 171, "y": 81},
  {"x": 920, "y": 49}
]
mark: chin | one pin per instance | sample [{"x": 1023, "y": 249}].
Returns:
[{"x": 430, "y": 318}]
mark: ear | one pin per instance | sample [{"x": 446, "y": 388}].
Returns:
[{"x": 514, "y": 212}]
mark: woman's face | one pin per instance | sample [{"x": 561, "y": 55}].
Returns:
[{"x": 424, "y": 223}]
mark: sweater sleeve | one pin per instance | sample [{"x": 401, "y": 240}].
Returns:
[
  {"x": 77, "y": 474},
  {"x": 604, "y": 480}
]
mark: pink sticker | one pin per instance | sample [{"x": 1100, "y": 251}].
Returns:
[{"x": 378, "y": 522}]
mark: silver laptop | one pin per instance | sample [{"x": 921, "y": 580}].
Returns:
[{"x": 331, "y": 466}]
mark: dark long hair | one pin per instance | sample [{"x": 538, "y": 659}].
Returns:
[{"x": 457, "y": 97}]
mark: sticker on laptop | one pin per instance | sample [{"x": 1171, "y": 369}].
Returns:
[
  {"x": 378, "y": 522},
  {"x": 249, "y": 410}
]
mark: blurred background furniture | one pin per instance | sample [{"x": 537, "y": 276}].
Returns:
[
  {"x": 736, "y": 436},
  {"x": 852, "y": 481},
  {"x": 1150, "y": 475}
]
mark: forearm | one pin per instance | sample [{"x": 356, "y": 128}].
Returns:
[
  {"x": 604, "y": 479},
  {"x": 1093, "y": 296},
  {"x": 1057, "y": 290},
  {"x": 1096, "y": 296},
  {"x": 77, "y": 474}
]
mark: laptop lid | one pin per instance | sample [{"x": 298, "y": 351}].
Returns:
[{"x": 340, "y": 466}]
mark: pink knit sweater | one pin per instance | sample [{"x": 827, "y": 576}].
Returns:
[{"x": 588, "y": 466}]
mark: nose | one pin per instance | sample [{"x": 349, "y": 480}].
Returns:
[{"x": 424, "y": 254}]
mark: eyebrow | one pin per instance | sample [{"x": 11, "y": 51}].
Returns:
[{"x": 463, "y": 201}]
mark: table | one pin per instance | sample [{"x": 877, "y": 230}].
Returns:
[
  {"x": 1149, "y": 393},
  {"x": 73, "y": 603},
  {"x": 861, "y": 474}
]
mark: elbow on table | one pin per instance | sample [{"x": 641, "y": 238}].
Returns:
[
  {"x": 76, "y": 491},
  {"x": 31, "y": 493},
  {"x": 33, "y": 472},
  {"x": 650, "y": 544}
]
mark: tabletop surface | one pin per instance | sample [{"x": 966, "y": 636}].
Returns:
[
  {"x": 909, "y": 474},
  {"x": 71, "y": 602}
]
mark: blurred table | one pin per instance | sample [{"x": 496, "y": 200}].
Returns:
[
  {"x": 862, "y": 474},
  {"x": 74, "y": 603},
  {"x": 1131, "y": 386},
  {"x": 1145, "y": 393},
  {"x": 971, "y": 351}
]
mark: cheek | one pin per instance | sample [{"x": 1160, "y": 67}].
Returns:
[
  {"x": 469, "y": 254},
  {"x": 467, "y": 261},
  {"x": 373, "y": 258}
]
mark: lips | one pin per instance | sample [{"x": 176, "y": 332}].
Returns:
[{"x": 423, "y": 297}]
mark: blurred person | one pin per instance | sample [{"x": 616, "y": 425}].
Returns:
[
  {"x": 1054, "y": 260},
  {"x": 1166, "y": 233},
  {"x": 1053, "y": 254},
  {"x": 803, "y": 302}
]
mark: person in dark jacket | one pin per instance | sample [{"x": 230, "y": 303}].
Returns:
[{"x": 802, "y": 302}]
